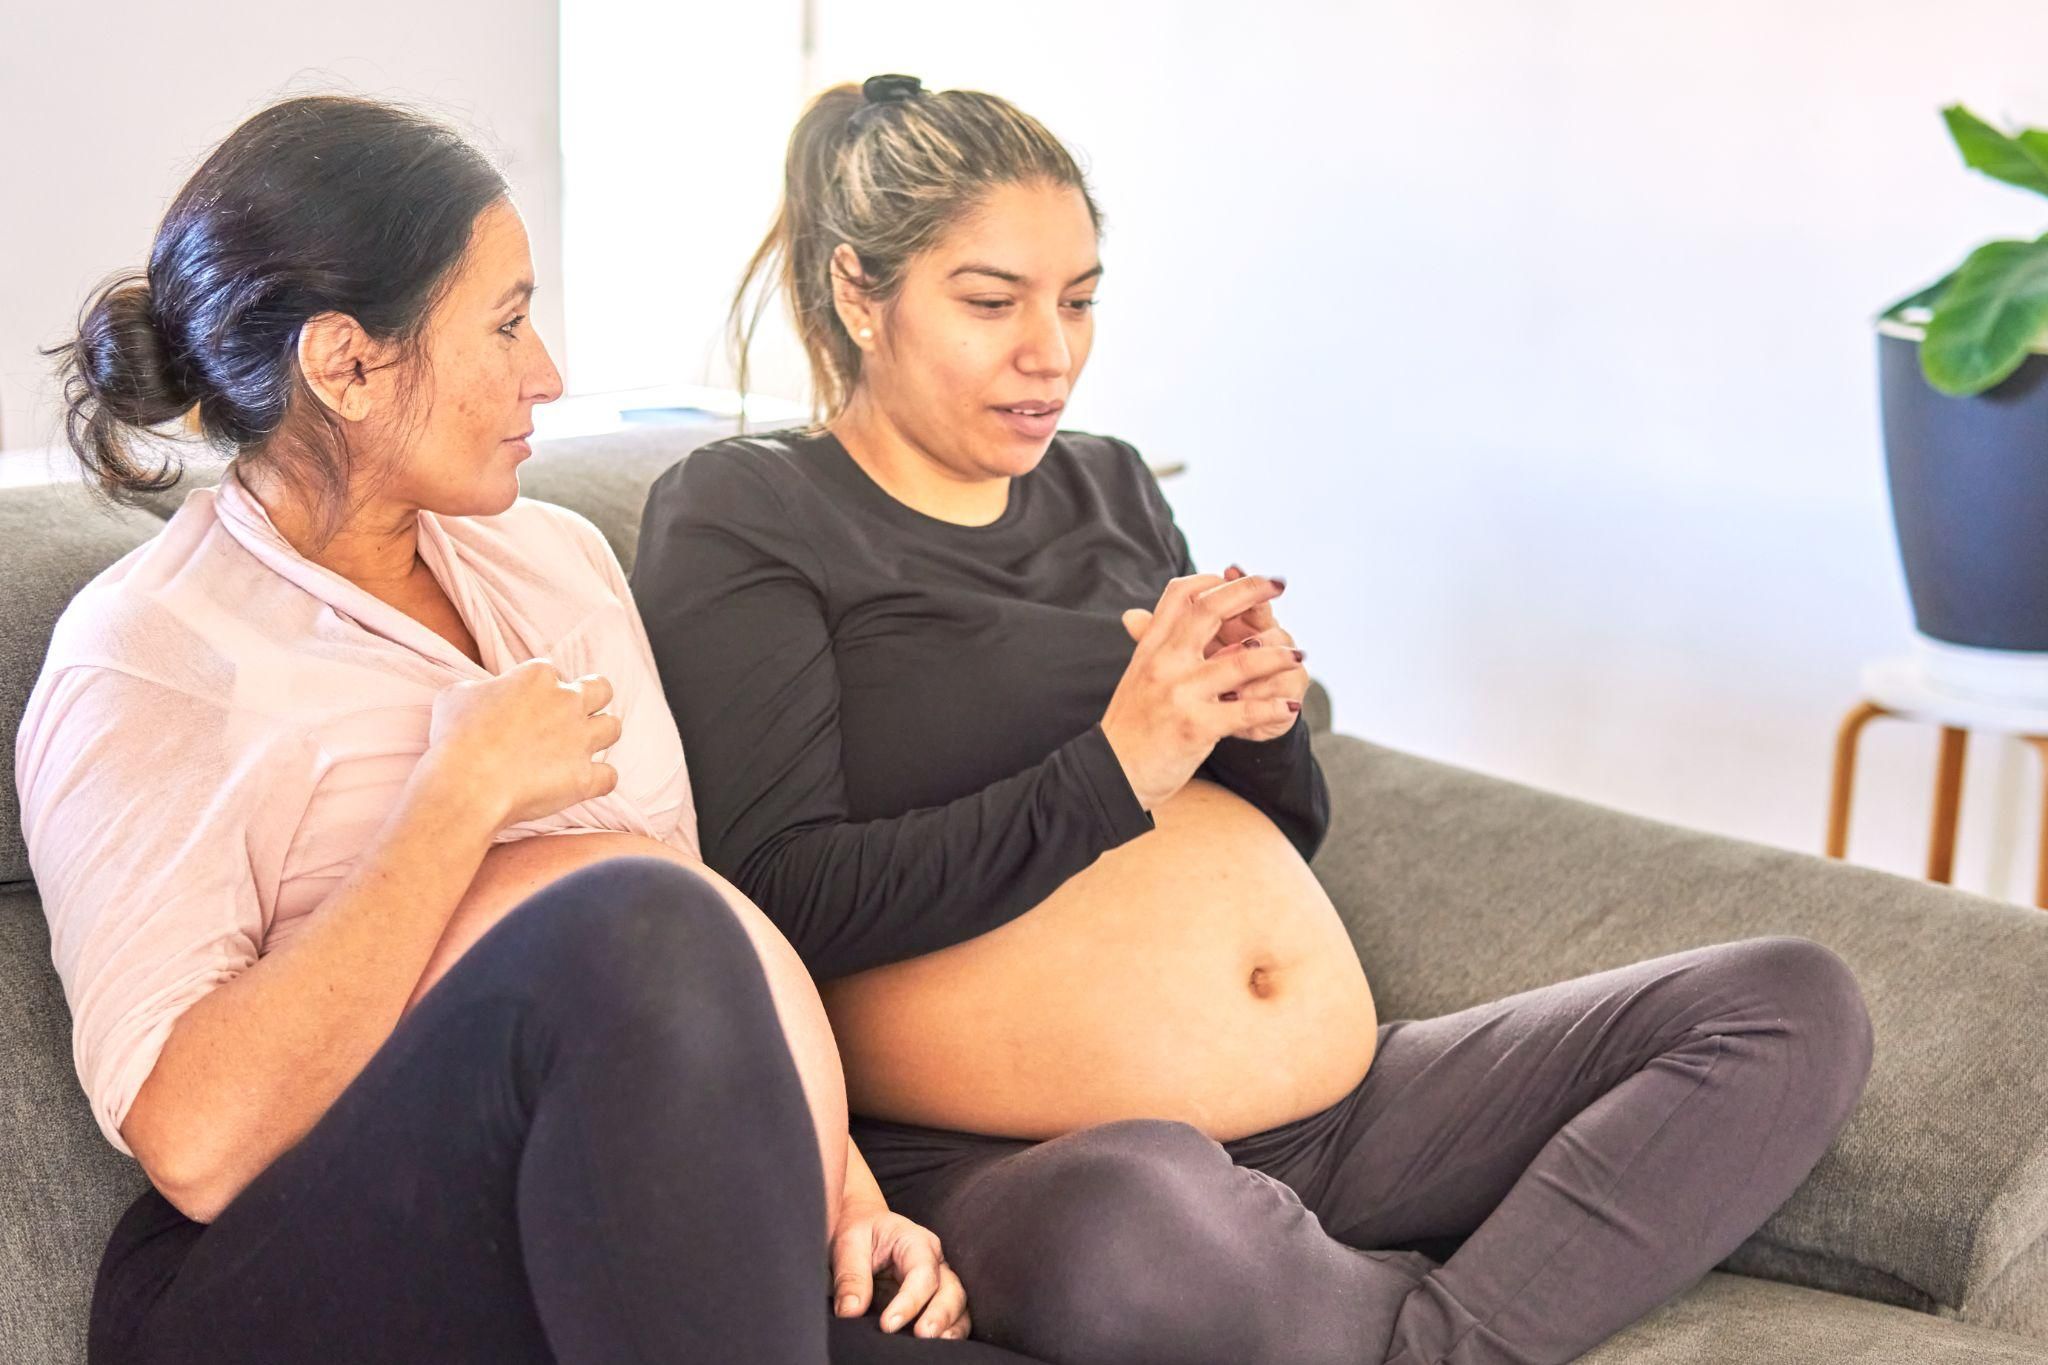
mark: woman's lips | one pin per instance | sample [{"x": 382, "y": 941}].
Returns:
[{"x": 1032, "y": 421}]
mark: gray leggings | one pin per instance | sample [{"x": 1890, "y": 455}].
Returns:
[{"x": 1598, "y": 1145}]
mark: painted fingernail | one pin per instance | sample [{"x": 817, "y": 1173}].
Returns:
[
  {"x": 1233, "y": 569},
  {"x": 1254, "y": 642},
  {"x": 1299, "y": 656},
  {"x": 1295, "y": 707},
  {"x": 1230, "y": 696},
  {"x": 1279, "y": 583}
]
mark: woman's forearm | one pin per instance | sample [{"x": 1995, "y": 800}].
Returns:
[
  {"x": 863, "y": 1193},
  {"x": 250, "y": 1067}
]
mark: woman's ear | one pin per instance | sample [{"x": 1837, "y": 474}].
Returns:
[
  {"x": 857, "y": 313},
  {"x": 335, "y": 360}
]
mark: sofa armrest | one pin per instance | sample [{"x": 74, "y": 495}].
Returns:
[{"x": 1459, "y": 888}]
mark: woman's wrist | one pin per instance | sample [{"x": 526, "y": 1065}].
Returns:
[
  {"x": 861, "y": 1194},
  {"x": 445, "y": 792},
  {"x": 1127, "y": 769}
]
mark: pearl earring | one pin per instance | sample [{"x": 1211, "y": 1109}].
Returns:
[{"x": 866, "y": 333}]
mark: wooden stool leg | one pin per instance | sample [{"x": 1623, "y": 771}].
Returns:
[
  {"x": 1845, "y": 774},
  {"x": 1948, "y": 798},
  {"x": 2040, "y": 743}
]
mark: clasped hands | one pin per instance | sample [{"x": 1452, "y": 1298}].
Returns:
[{"x": 1211, "y": 662}]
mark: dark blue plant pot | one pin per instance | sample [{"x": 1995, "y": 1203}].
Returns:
[{"x": 1969, "y": 483}]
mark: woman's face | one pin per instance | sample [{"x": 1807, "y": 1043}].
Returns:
[
  {"x": 974, "y": 358},
  {"x": 486, "y": 369}
]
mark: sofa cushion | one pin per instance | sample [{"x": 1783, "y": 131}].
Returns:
[
  {"x": 1459, "y": 888},
  {"x": 1735, "y": 1320},
  {"x": 57, "y": 537},
  {"x": 61, "y": 1186}
]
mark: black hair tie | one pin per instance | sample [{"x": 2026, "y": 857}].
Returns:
[{"x": 882, "y": 91}]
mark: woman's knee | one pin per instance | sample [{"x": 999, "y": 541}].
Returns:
[
  {"x": 1134, "y": 1247},
  {"x": 1805, "y": 979},
  {"x": 635, "y": 932},
  {"x": 1810, "y": 993}
]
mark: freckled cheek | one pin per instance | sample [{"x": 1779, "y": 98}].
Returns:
[{"x": 474, "y": 421}]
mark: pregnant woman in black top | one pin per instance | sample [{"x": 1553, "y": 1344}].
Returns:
[{"x": 1031, "y": 798}]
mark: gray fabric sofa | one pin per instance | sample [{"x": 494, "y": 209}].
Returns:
[{"x": 1922, "y": 1236}]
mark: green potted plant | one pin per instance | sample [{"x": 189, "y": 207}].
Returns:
[{"x": 1963, "y": 377}]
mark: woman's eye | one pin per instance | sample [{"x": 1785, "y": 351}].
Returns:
[
  {"x": 507, "y": 328},
  {"x": 989, "y": 305},
  {"x": 1081, "y": 305}
]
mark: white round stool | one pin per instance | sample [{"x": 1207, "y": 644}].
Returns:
[{"x": 1902, "y": 689}]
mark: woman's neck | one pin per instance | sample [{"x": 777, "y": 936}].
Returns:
[
  {"x": 377, "y": 548},
  {"x": 912, "y": 475}
]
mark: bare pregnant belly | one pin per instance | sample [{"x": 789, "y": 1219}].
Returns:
[
  {"x": 1196, "y": 973},
  {"x": 513, "y": 871}
]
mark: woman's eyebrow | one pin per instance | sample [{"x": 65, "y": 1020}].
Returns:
[
  {"x": 1012, "y": 277},
  {"x": 523, "y": 289}
]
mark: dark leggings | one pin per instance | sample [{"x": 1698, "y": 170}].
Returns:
[
  {"x": 1581, "y": 1153},
  {"x": 587, "y": 1143}
]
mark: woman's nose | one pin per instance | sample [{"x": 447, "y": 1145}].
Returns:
[
  {"x": 1044, "y": 351},
  {"x": 544, "y": 382}
]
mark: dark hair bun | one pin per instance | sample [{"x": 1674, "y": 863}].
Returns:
[
  {"x": 890, "y": 89},
  {"x": 122, "y": 357}
]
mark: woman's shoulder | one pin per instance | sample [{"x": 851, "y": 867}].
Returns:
[
  {"x": 1108, "y": 464},
  {"x": 759, "y": 471},
  {"x": 161, "y": 614}
]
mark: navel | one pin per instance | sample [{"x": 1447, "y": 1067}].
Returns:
[{"x": 1262, "y": 982}]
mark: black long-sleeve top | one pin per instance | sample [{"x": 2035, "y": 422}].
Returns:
[{"x": 891, "y": 722}]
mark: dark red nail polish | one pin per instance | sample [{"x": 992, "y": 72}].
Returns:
[
  {"x": 1230, "y": 696},
  {"x": 1295, "y": 707},
  {"x": 1277, "y": 581},
  {"x": 1299, "y": 656}
]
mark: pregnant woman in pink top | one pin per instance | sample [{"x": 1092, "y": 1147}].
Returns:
[{"x": 414, "y": 1073}]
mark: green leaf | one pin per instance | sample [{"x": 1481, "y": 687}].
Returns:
[
  {"x": 2021, "y": 161},
  {"x": 1994, "y": 312}
]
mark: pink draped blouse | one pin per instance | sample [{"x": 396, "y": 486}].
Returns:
[{"x": 221, "y": 726}]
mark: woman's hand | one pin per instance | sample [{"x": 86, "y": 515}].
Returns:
[
  {"x": 1256, "y": 628},
  {"x": 525, "y": 743},
  {"x": 871, "y": 1239},
  {"x": 1184, "y": 689},
  {"x": 1260, "y": 625}
]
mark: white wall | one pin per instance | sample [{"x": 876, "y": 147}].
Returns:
[
  {"x": 106, "y": 109},
  {"x": 1533, "y": 341},
  {"x": 673, "y": 124}
]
